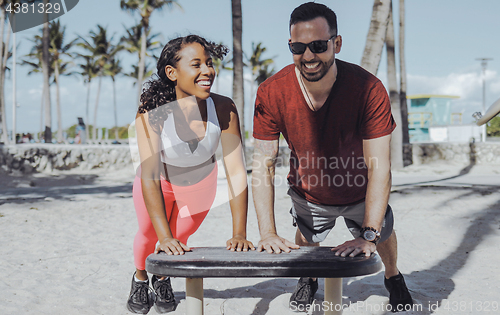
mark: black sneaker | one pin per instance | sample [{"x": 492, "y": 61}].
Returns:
[
  {"x": 141, "y": 297},
  {"x": 304, "y": 292},
  {"x": 165, "y": 300},
  {"x": 399, "y": 296}
]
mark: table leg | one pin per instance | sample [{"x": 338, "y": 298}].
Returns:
[
  {"x": 194, "y": 296},
  {"x": 333, "y": 296}
]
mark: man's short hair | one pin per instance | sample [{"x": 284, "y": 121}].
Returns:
[{"x": 311, "y": 10}]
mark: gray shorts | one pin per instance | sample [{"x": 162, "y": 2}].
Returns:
[{"x": 316, "y": 221}]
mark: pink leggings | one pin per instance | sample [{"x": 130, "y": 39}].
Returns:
[{"x": 186, "y": 208}]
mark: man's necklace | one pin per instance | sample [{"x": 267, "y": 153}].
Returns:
[{"x": 307, "y": 94}]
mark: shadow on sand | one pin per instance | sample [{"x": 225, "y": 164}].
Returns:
[
  {"x": 466, "y": 170},
  {"x": 28, "y": 189}
]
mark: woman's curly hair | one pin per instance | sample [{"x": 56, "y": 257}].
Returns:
[{"x": 161, "y": 90}]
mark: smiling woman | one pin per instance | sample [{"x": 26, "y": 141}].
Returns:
[{"x": 179, "y": 125}]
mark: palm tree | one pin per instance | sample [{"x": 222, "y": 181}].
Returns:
[
  {"x": 103, "y": 51},
  {"x": 148, "y": 71},
  {"x": 4, "y": 55},
  {"x": 402, "y": 74},
  {"x": 46, "y": 77},
  {"x": 238, "y": 91},
  {"x": 132, "y": 40},
  {"x": 220, "y": 65},
  {"x": 264, "y": 74},
  {"x": 58, "y": 49},
  {"x": 376, "y": 35},
  {"x": 112, "y": 70},
  {"x": 258, "y": 66},
  {"x": 397, "y": 135},
  {"x": 255, "y": 61},
  {"x": 145, "y": 9},
  {"x": 89, "y": 71},
  {"x": 36, "y": 67},
  {"x": 57, "y": 66},
  {"x": 132, "y": 43}
]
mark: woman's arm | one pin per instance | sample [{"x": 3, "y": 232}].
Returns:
[
  {"x": 149, "y": 143},
  {"x": 234, "y": 164}
]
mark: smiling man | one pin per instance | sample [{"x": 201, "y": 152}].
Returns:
[{"x": 336, "y": 118}]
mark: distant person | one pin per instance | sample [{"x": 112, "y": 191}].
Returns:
[
  {"x": 179, "y": 125},
  {"x": 336, "y": 118},
  {"x": 80, "y": 137}
]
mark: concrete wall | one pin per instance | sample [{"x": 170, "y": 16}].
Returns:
[
  {"x": 480, "y": 152},
  {"x": 28, "y": 158}
]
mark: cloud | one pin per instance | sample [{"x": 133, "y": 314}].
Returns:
[
  {"x": 468, "y": 86},
  {"x": 495, "y": 87}
]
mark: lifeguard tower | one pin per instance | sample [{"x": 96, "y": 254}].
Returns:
[{"x": 430, "y": 119}]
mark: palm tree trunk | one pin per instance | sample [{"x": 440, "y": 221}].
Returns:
[
  {"x": 114, "y": 107},
  {"x": 41, "y": 116},
  {"x": 87, "y": 126},
  {"x": 95, "y": 107},
  {"x": 253, "y": 96},
  {"x": 376, "y": 36},
  {"x": 217, "y": 83},
  {"x": 46, "y": 78},
  {"x": 4, "y": 54},
  {"x": 3, "y": 117},
  {"x": 397, "y": 136},
  {"x": 402, "y": 73},
  {"x": 2, "y": 28},
  {"x": 5, "y": 51},
  {"x": 58, "y": 104},
  {"x": 238, "y": 92},
  {"x": 142, "y": 65}
]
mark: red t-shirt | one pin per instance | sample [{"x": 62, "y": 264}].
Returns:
[{"x": 326, "y": 160}]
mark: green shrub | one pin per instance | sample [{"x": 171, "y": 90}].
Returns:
[{"x": 493, "y": 127}]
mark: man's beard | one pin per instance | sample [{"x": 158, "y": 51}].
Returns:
[{"x": 314, "y": 77}]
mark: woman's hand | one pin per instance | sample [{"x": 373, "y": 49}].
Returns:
[
  {"x": 172, "y": 246},
  {"x": 239, "y": 243}
]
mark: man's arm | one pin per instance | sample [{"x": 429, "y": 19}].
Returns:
[
  {"x": 377, "y": 157},
  {"x": 263, "y": 170},
  {"x": 378, "y": 160}
]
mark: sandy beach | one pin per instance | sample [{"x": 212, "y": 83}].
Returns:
[{"x": 66, "y": 245}]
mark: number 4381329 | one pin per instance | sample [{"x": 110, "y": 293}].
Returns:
[{"x": 33, "y": 8}]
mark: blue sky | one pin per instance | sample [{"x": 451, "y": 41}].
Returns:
[{"x": 443, "y": 40}]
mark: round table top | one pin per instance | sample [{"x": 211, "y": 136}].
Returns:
[{"x": 218, "y": 262}]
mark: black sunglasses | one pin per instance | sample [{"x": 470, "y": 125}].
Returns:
[{"x": 316, "y": 47}]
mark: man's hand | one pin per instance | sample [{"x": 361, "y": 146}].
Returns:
[
  {"x": 354, "y": 247},
  {"x": 276, "y": 244}
]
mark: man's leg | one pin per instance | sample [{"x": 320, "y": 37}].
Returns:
[
  {"x": 301, "y": 241},
  {"x": 388, "y": 251},
  {"x": 399, "y": 296},
  {"x": 303, "y": 294}
]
